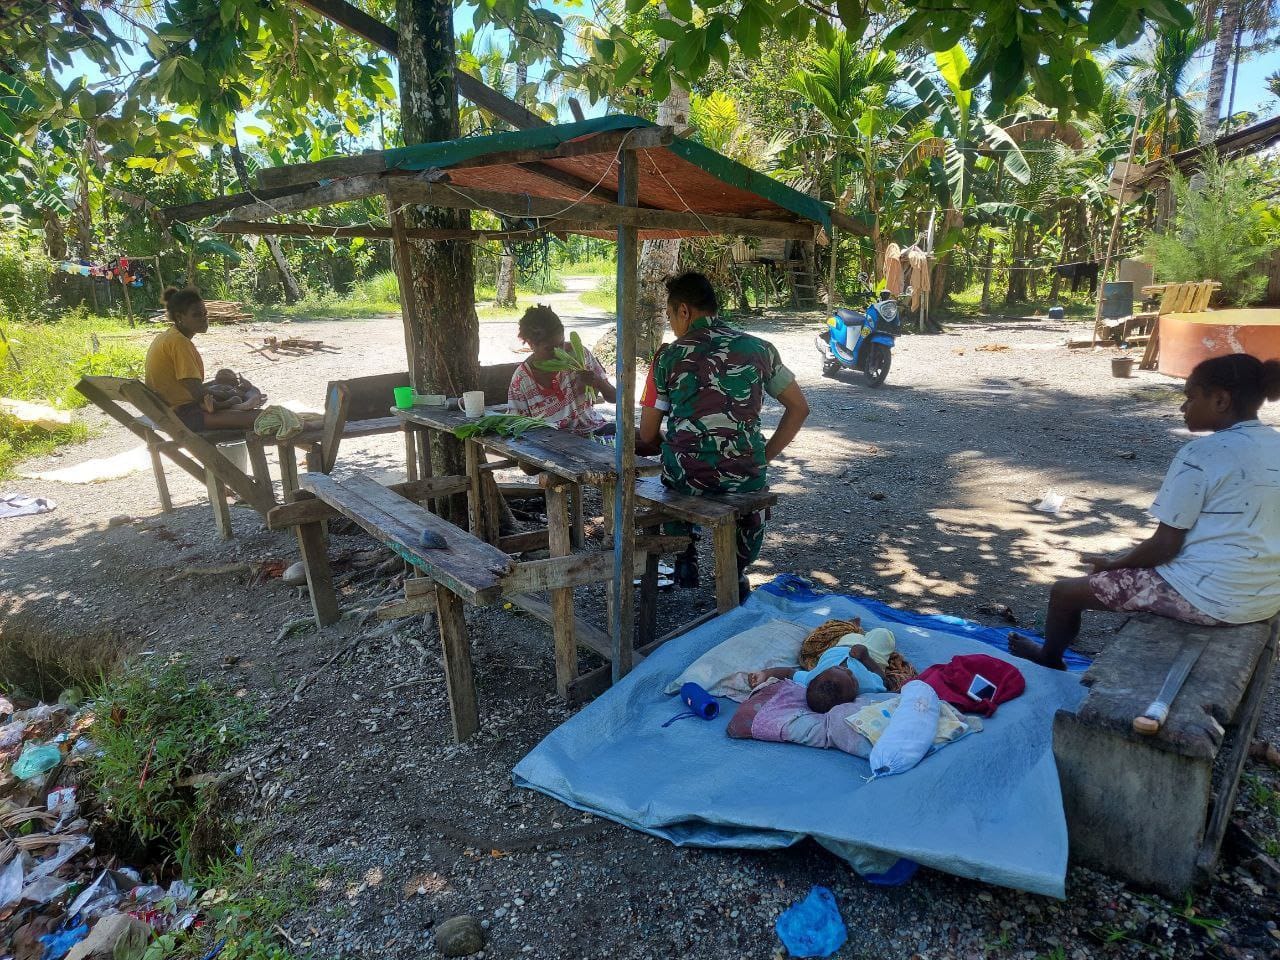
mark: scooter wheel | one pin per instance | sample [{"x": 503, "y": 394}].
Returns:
[
  {"x": 830, "y": 368},
  {"x": 877, "y": 364}
]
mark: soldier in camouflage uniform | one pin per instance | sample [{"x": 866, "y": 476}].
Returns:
[{"x": 710, "y": 385}]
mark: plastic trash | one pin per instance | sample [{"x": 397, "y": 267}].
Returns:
[
  {"x": 812, "y": 928},
  {"x": 11, "y": 878},
  {"x": 11, "y": 733},
  {"x": 1053, "y": 502},
  {"x": 57, "y": 945},
  {"x": 699, "y": 701},
  {"x": 36, "y": 759}
]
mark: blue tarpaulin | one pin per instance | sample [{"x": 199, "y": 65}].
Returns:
[{"x": 988, "y": 806}]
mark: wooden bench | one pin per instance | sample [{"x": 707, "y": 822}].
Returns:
[
  {"x": 197, "y": 453},
  {"x": 468, "y": 570},
  {"x": 719, "y": 513},
  {"x": 1153, "y": 809}
]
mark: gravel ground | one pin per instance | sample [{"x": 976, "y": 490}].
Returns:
[{"x": 919, "y": 493}]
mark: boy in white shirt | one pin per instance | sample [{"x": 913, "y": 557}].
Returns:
[{"x": 1215, "y": 557}]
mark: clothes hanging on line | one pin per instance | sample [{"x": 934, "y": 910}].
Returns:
[{"x": 892, "y": 269}]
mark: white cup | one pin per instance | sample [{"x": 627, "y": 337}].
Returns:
[{"x": 473, "y": 403}]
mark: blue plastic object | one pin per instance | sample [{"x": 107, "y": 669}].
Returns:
[
  {"x": 699, "y": 701},
  {"x": 58, "y": 945},
  {"x": 35, "y": 760},
  {"x": 902, "y": 871},
  {"x": 812, "y": 928}
]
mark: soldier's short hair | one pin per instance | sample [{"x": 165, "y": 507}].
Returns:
[
  {"x": 693, "y": 289},
  {"x": 540, "y": 324}
]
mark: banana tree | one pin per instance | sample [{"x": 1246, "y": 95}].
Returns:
[{"x": 952, "y": 151}]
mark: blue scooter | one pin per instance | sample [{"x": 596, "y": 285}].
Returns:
[{"x": 861, "y": 340}]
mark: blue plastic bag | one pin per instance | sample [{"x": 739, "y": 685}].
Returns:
[
  {"x": 812, "y": 928},
  {"x": 35, "y": 760},
  {"x": 58, "y": 945}
]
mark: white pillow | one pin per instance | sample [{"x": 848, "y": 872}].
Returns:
[
  {"x": 910, "y": 733},
  {"x": 722, "y": 670}
]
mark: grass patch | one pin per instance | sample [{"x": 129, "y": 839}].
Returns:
[
  {"x": 605, "y": 294},
  {"x": 42, "y": 362},
  {"x": 247, "y": 905},
  {"x": 967, "y": 303},
  {"x": 599, "y": 267},
  {"x": 157, "y": 730}
]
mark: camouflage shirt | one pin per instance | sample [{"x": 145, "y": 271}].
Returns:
[{"x": 711, "y": 384}]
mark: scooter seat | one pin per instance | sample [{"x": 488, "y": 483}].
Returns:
[{"x": 851, "y": 318}]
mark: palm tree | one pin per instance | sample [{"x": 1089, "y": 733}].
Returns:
[
  {"x": 1160, "y": 75},
  {"x": 1234, "y": 18},
  {"x": 850, "y": 89}
]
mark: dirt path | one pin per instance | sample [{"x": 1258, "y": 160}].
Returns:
[{"x": 919, "y": 493}]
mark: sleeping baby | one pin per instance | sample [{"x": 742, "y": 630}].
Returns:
[{"x": 840, "y": 674}]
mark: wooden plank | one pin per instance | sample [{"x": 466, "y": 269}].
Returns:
[
  {"x": 468, "y": 566},
  {"x": 218, "y": 500},
  {"x": 564, "y": 570},
  {"x": 724, "y": 544},
  {"x": 1246, "y": 723},
  {"x": 187, "y": 212},
  {"x": 557, "y": 452},
  {"x": 1152, "y": 352},
  {"x": 458, "y": 676},
  {"x": 585, "y": 633},
  {"x": 1127, "y": 675},
  {"x": 623, "y": 507},
  {"x": 409, "y": 607},
  {"x": 162, "y": 484},
  {"x": 313, "y": 511},
  {"x": 411, "y": 454},
  {"x": 597, "y": 681},
  {"x": 259, "y": 228},
  {"x": 647, "y": 622},
  {"x": 408, "y": 190},
  {"x": 475, "y": 496},
  {"x": 337, "y": 402},
  {"x": 562, "y": 622},
  {"x": 339, "y": 191},
  {"x": 521, "y": 542},
  {"x": 324, "y": 599},
  {"x": 486, "y": 98},
  {"x": 288, "y": 475},
  {"x": 494, "y": 465},
  {"x": 705, "y": 509}
]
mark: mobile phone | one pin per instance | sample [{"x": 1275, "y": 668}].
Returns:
[{"x": 981, "y": 688}]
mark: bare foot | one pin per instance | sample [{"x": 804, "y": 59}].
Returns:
[{"x": 1026, "y": 648}]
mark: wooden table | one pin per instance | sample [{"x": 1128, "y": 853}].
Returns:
[
  {"x": 566, "y": 463},
  {"x": 574, "y": 460}
]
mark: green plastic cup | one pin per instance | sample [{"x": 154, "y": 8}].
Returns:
[{"x": 404, "y": 397}]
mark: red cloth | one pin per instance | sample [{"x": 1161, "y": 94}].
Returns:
[{"x": 951, "y": 681}]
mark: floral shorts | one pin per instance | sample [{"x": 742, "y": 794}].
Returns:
[{"x": 1142, "y": 590}]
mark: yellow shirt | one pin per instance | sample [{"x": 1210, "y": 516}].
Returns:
[{"x": 172, "y": 358}]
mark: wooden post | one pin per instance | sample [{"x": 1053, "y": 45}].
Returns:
[
  {"x": 313, "y": 545},
  {"x": 558, "y": 545},
  {"x": 724, "y": 538},
  {"x": 404, "y": 277},
  {"x": 218, "y": 500},
  {"x": 128, "y": 304},
  {"x": 162, "y": 485},
  {"x": 458, "y": 676},
  {"x": 621, "y": 626},
  {"x": 410, "y": 452},
  {"x": 1115, "y": 226},
  {"x": 288, "y": 471}
]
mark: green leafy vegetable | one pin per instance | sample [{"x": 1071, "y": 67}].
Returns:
[{"x": 503, "y": 424}]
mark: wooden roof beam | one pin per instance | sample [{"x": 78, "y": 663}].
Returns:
[
  {"x": 584, "y": 214},
  {"x": 388, "y": 38},
  {"x": 253, "y": 206},
  {"x": 258, "y": 228},
  {"x": 374, "y": 161}
]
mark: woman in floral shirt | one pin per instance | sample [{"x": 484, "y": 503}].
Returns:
[{"x": 564, "y": 398}]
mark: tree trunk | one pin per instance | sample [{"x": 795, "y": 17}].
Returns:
[
  {"x": 506, "y": 288},
  {"x": 1017, "y": 291},
  {"x": 1235, "y": 75},
  {"x": 659, "y": 259},
  {"x": 1228, "y": 20},
  {"x": 55, "y": 237},
  {"x": 442, "y": 333},
  {"x": 292, "y": 293},
  {"x": 984, "y": 305}
]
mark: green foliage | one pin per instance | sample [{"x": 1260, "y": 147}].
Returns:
[
  {"x": 157, "y": 728},
  {"x": 502, "y": 424},
  {"x": 24, "y": 282},
  {"x": 382, "y": 287},
  {"x": 247, "y": 903},
  {"x": 604, "y": 295},
  {"x": 51, "y": 357},
  {"x": 1221, "y": 231}
]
